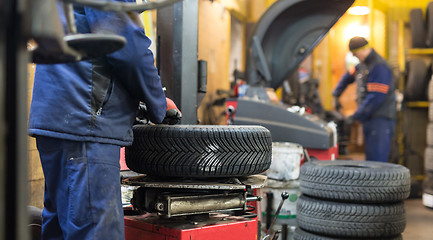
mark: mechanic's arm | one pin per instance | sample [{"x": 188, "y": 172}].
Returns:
[
  {"x": 378, "y": 83},
  {"x": 347, "y": 79},
  {"x": 134, "y": 63}
]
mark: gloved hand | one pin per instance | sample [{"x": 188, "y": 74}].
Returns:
[
  {"x": 141, "y": 116},
  {"x": 337, "y": 104},
  {"x": 173, "y": 114}
]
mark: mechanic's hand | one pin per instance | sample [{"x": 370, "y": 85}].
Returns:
[
  {"x": 337, "y": 104},
  {"x": 173, "y": 114},
  {"x": 141, "y": 116}
]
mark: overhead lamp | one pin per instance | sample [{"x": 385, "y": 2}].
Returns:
[{"x": 359, "y": 10}]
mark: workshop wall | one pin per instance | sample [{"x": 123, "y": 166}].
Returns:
[
  {"x": 214, "y": 21},
  {"x": 215, "y": 45},
  {"x": 35, "y": 175}
]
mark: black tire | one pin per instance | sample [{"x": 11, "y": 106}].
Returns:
[
  {"x": 415, "y": 121},
  {"x": 35, "y": 222},
  {"x": 417, "y": 28},
  {"x": 417, "y": 81},
  {"x": 430, "y": 90},
  {"x": 304, "y": 235},
  {"x": 35, "y": 215},
  {"x": 429, "y": 25},
  {"x": 199, "y": 151},
  {"x": 355, "y": 181},
  {"x": 428, "y": 159},
  {"x": 356, "y": 220}
]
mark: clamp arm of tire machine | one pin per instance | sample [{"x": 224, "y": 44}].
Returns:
[{"x": 53, "y": 47}]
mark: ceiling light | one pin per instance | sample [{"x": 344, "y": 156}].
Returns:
[{"x": 359, "y": 10}]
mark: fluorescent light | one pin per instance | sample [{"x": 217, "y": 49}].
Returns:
[
  {"x": 355, "y": 29},
  {"x": 359, "y": 10}
]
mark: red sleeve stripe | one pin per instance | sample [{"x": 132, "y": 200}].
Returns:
[{"x": 377, "y": 87}]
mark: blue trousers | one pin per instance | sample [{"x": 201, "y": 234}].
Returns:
[
  {"x": 82, "y": 190},
  {"x": 378, "y": 138}
]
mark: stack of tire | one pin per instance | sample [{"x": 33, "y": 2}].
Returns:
[
  {"x": 428, "y": 160},
  {"x": 352, "y": 200},
  {"x": 422, "y": 28},
  {"x": 415, "y": 120}
]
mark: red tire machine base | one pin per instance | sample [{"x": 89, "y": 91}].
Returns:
[
  {"x": 226, "y": 210},
  {"x": 217, "y": 227}
]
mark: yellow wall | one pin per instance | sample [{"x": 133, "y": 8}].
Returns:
[
  {"x": 35, "y": 174},
  {"x": 214, "y": 47}
]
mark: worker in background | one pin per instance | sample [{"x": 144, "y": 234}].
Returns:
[
  {"x": 375, "y": 98},
  {"x": 81, "y": 114}
]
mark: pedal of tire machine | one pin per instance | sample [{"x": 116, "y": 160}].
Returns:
[{"x": 192, "y": 197}]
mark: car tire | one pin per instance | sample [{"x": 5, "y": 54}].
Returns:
[
  {"x": 355, "y": 181},
  {"x": 300, "y": 234},
  {"x": 35, "y": 222},
  {"x": 417, "y": 28},
  {"x": 429, "y": 25},
  {"x": 430, "y": 90},
  {"x": 199, "y": 150},
  {"x": 350, "y": 220},
  {"x": 417, "y": 81}
]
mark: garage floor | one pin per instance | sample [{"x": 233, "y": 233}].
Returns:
[{"x": 419, "y": 221}]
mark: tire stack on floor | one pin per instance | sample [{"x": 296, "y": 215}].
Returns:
[{"x": 352, "y": 200}]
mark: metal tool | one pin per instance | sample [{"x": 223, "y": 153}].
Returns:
[{"x": 270, "y": 233}]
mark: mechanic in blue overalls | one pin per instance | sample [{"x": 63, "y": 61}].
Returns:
[
  {"x": 375, "y": 98},
  {"x": 81, "y": 114}
]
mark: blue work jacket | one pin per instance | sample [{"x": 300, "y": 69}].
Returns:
[
  {"x": 97, "y": 100},
  {"x": 375, "y": 88}
]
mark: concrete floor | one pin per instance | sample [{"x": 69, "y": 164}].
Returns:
[{"x": 419, "y": 221}]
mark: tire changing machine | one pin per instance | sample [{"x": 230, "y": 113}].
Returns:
[
  {"x": 215, "y": 210},
  {"x": 189, "y": 210}
]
